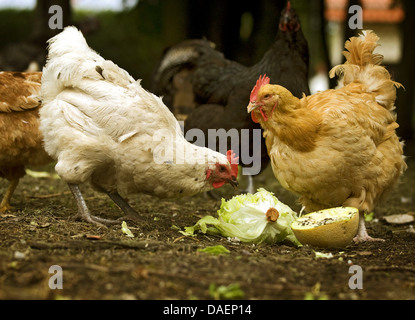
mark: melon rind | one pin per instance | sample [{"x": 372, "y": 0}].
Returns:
[{"x": 329, "y": 228}]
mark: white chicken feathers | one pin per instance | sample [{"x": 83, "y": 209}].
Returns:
[{"x": 101, "y": 125}]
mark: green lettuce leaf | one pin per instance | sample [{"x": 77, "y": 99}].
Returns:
[{"x": 244, "y": 217}]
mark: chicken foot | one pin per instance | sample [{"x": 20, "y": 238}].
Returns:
[
  {"x": 83, "y": 211},
  {"x": 362, "y": 234},
  {"x": 360, "y": 202},
  {"x": 5, "y": 202}
]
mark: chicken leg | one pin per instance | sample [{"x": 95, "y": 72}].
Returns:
[
  {"x": 5, "y": 202},
  {"x": 129, "y": 212},
  {"x": 362, "y": 234},
  {"x": 85, "y": 214},
  {"x": 361, "y": 202},
  {"x": 83, "y": 211}
]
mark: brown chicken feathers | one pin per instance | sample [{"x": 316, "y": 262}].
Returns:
[
  {"x": 20, "y": 138},
  {"x": 337, "y": 147}
]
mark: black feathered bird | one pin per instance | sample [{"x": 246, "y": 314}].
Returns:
[{"x": 211, "y": 92}]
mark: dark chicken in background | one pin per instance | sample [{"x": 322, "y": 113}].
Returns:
[{"x": 209, "y": 91}]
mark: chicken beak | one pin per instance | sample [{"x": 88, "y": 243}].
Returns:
[
  {"x": 251, "y": 106},
  {"x": 233, "y": 182}
]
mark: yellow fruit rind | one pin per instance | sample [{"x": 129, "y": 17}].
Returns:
[{"x": 327, "y": 230}]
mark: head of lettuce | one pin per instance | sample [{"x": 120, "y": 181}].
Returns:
[{"x": 255, "y": 218}]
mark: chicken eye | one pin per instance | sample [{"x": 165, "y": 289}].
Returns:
[
  {"x": 267, "y": 96},
  {"x": 222, "y": 169}
]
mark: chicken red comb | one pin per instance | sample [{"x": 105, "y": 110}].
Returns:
[
  {"x": 233, "y": 161},
  {"x": 262, "y": 81}
]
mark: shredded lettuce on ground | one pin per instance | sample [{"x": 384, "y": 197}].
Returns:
[{"x": 244, "y": 217}]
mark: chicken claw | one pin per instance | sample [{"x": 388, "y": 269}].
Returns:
[
  {"x": 362, "y": 235},
  {"x": 5, "y": 202},
  {"x": 360, "y": 239},
  {"x": 83, "y": 211}
]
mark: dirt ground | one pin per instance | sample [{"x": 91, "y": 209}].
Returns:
[{"x": 160, "y": 263}]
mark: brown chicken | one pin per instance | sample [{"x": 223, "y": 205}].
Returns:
[
  {"x": 337, "y": 147},
  {"x": 20, "y": 138}
]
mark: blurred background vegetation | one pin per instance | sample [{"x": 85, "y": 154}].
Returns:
[{"x": 135, "y": 35}]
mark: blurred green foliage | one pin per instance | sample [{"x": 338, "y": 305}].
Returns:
[
  {"x": 129, "y": 38},
  {"x": 14, "y": 25},
  {"x": 134, "y": 39}
]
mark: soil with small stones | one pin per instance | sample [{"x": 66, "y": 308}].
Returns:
[{"x": 161, "y": 263}]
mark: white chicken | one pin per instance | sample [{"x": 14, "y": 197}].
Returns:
[{"x": 101, "y": 126}]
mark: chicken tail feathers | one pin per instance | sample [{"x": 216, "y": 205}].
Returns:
[
  {"x": 360, "y": 50},
  {"x": 72, "y": 63},
  {"x": 70, "y": 40},
  {"x": 69, "y": 61},
  {"x": 364, "y": 66}
]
